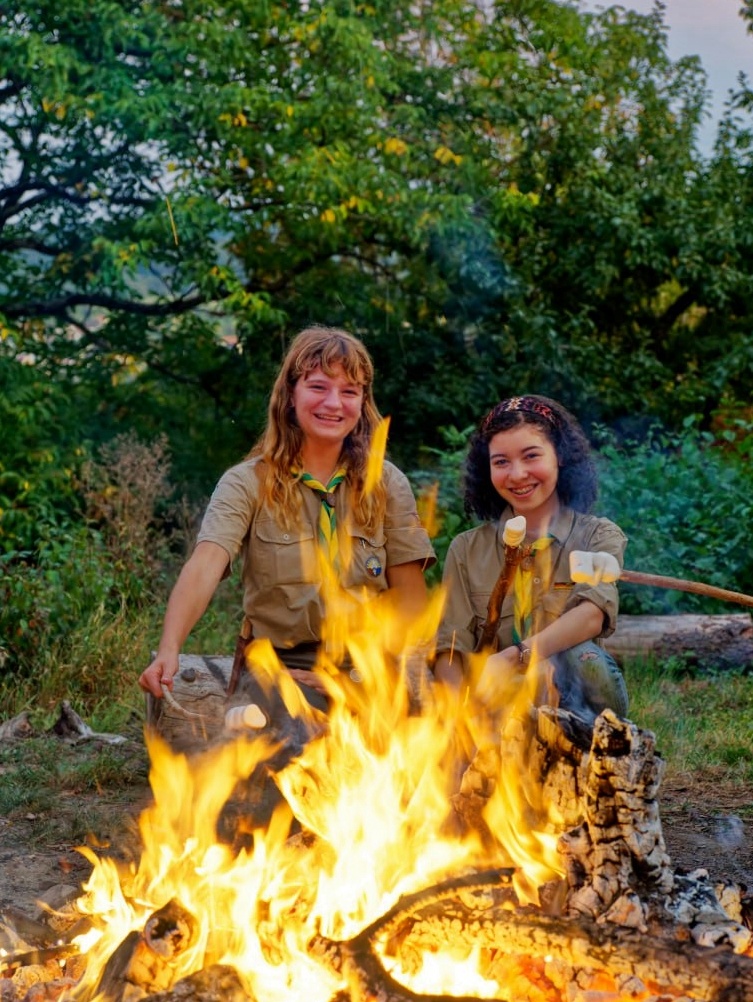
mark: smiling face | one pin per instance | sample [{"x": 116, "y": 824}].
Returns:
[
  {"x": 524, "y": 472},
  {"x": 327, "y": 407}
]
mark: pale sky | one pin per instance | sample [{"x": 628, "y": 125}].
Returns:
[{"x": 712, "y": 30}]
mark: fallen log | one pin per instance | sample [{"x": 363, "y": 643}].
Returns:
[{"x": 716, "y": 642}]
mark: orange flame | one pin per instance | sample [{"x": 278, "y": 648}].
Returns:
[
  {"x": 428, "y": 509},
  {"x": 376, "y": 455},
  {"x": 374, "y": 791}
]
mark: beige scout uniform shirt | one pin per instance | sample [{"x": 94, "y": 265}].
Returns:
[
  {"x": 474, "y": 561},
  {"x": 281, "y": 594}
]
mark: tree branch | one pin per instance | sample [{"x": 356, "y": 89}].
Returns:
[{"x": 61, "y": 306}]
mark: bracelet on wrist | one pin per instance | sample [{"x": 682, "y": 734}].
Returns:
[{"x": 524, "y": 655}]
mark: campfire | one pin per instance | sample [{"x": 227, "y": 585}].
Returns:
[{"x": 400, "y": 847}]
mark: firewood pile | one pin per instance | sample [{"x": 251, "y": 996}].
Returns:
[{"x": 621, "y": 925}]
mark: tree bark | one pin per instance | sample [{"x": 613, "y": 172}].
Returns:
[{"x": 716, "y": 642}]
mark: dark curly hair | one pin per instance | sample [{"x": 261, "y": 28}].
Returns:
[{"x": 577, "y": 485}]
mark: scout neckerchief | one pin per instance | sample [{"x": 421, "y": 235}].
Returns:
[
  {"x": 522, "y": 591},
  {"x": 327, "y": 528}
]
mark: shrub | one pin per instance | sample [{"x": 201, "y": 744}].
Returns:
[
  {"x": 439, "y": 487},
  {"x": 88, "y": 569},
  {"x": 685, "y": 502}
]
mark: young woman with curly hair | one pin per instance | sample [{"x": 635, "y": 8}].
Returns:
[{"x": 530, "y": 458}]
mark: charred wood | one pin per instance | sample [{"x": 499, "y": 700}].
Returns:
[
  {"x": 217, "y": 983},
  {"x": 146, "y": 960},
  {"x": 482, "y": 913},
  {"x": 16, "y": 728},
  {"x": 70, "y": 727}
]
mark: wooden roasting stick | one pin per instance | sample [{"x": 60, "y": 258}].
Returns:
[
  {"x": 513, "y": 535},
  {"x": 592, "y": 568}
]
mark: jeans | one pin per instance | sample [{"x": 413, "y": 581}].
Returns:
[{"x": 589, "y": 680}]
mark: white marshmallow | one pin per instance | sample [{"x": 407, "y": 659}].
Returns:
[
  {"x": 514, "y": 531},
  {"x": 242, "y": 718}
]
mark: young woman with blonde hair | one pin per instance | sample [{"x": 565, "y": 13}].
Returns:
[{"x": 303, "y": 486}]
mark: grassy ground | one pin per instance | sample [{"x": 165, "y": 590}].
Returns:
[{"x": 702, "y": 725}]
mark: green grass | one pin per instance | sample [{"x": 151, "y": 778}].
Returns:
[
  {"x": 59, "y": 792},
  {"x": 702, "y": 724}
]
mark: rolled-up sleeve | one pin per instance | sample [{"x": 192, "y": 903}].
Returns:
[
  {"x": 406, "y": 539},
  {"x": 606, "y": 537},
  {"x": 231, "y": 509}
]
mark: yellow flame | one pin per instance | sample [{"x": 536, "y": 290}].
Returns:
[
  {"x": 371, "y": 791},
  {"x": 427, "y": 509},
  {"x": 376, "y": 456}
]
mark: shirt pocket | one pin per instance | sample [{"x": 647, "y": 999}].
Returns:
[
  {"x": 368, "y": 561},
  {"x": 553, "y": 602},
  {"x": 281, "y": 556},
  {"x": 480, "y": 606}
]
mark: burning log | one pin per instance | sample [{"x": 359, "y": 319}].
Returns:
[
  {"x": 480, "y": 912},
  {"x": 147, "y": 960},
  {"x": 626, "y": 913},
  {"x": 619, "y": 849},
  {"x": 218, "y": 983}
]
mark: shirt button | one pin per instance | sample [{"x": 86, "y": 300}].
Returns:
[
  {"x": 537, "y": 580},
  {"x": 285, "y": 535}
]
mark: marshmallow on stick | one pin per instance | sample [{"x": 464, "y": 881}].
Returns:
[
  {"x": 513, "y": 535},
  {"x": 245, "y": 718},
  {"x": 593, "y": 568},
  {"x": 514, "y": 531}
]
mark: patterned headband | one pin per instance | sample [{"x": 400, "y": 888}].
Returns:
[{"x": 529, "y": 405}]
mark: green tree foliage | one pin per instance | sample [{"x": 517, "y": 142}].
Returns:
[
  {"x": 186, "y": 181},
  {"x": 496, "y": 197},
  {"x": 492, "y": 196}
]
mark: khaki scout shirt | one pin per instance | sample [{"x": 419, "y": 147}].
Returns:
[
  {"x": 281, "y": 591},
  {"x": 474, "y": 561}
]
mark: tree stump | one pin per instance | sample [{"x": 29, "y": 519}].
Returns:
[{"x": 195, "y": 717}]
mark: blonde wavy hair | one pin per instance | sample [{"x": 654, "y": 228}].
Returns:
[{"x": 281, "y": 444}]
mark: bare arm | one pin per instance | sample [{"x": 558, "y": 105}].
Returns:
[
  {"x": 449, "y": 671},
  {"x": 407, "y": 581},
  {"x": 188, "y": 601},
  {"x": 583, "y": 622}
]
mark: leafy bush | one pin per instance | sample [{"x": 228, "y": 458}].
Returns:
[
  {"x": 114, "y": 555},
  {"x": 685, "y": 501},
  {"x": 439, "y": 488}
]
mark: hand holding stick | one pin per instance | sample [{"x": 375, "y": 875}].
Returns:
[
  {"x": 593, "y": 568},
  {"x": 513, "y": 535}
]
